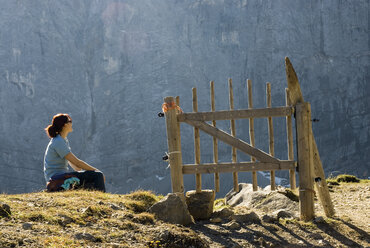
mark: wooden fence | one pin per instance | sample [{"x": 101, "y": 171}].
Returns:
[{"x": 308, "y": 159}]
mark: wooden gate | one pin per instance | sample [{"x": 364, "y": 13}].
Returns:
[{"x": 310, "y": 168}]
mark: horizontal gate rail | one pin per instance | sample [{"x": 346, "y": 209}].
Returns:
[
  {"x": 237, "y": 167},
  {"x": 237, "y": 114}
]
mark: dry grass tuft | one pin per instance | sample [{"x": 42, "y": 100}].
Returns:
[
  {"x": 347, "y": 179},
  {"x": 219, "y": 204},
  {"x": 144, "y": 218}
]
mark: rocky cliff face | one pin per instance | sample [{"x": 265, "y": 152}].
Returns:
[{"x": 110, "y": 64}]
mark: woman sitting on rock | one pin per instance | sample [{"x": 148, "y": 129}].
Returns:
[{"x": 57, "y": 156}]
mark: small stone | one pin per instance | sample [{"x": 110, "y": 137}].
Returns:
[
  {"x": 27, "y": 226},
  {"x": 64, "y": 220},
  {"x": 164, "y": 234},
  {"x": 315, "y": 236},
  {"x": 4, "y": 210},
  {"x": 85, "y": 236},
  {"x": 28, "y": 240},
  {"x": 319, "y": 219},
  {"x": 281, "y": 213},
  {"x": 233, "y": 225},
  {"x": 114, "y": 207},
  {"x": 223, "y": 213},
  {"x": 215, "y": 220},
  {"x": 268, "y": 218},
  {"x": 251, "y": 217}
]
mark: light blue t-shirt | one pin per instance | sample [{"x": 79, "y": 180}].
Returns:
[{"x": 54, "y": 161}]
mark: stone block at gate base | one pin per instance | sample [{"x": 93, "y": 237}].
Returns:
[
  {"x": 200, "y": 205},
  {"x": 172, "y": 209}
]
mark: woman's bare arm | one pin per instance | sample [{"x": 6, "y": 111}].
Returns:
[
  {"x": 74, "y": 166},
  {"x": 80, "y": 164}
]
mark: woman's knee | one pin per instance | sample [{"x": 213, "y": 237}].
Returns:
[{"x": 99, "y": 174}]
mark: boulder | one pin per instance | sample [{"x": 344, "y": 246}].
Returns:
[
  {"x": 200, "y": 204},
  {"x": 4, "y": 210},
  {"x": 246, "y": 196},
  {"x": 265, "y": 200},
  {"x": 172, "y": 209},
  {"x": 275, "y": 200}
]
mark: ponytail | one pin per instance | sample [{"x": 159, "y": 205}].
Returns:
[
  {"x": 50, "y": 131},
  {"x": 57, "y": 124}
]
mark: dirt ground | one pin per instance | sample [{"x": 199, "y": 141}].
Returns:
[{"x": 349, "y": 228}]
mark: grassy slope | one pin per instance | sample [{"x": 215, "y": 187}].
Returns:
[
  {"x": 83, "y": 218},
  {"x": 88, "y": 218}
]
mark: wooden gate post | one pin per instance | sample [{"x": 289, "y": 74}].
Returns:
[
  {"x": 305, "y": 161},
  {"x": 174, "y": 146},
  {"x": 295, "y": 96}
]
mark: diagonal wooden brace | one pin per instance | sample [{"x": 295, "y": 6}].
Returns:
[{"x": 237, "y": 143}]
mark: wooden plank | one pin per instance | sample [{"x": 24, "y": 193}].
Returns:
[
  {"x": 289, "y": 131},
  {"x": 175, "y": 157},
  {"x": 305, "y": 161},
  {"x": 232, "y": 167},
  {"x": 321, "y": 186},
  {"x": 271, "y": 134},
  {"x": 215, "y": 143},
  {"x": 237, "y": 114},
  {"x": 228, "y": 139},
  {"x": 233, "y": 133},
  {"x": 295, "y": 93},
  {"x": 177, "y": 99},
  {"x": 198, "y": 177},
  {"x": 296, "y": 97},
  {"x": 251, "y": 132}
]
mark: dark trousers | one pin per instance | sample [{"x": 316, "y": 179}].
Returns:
[{"x": 90, "y": 180}]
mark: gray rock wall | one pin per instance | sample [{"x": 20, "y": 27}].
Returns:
[{"x": 109, "y": 64}]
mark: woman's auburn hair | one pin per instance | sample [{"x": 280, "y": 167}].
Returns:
[{"x": 57, "y": 124}]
